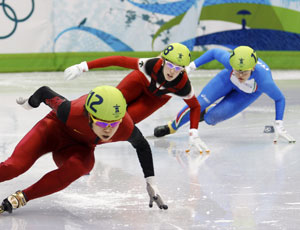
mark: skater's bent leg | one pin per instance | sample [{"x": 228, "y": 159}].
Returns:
[
  {"x": 33, "y": 145},
  {"x": 76, "y": 165},
  {"x": 144, "y": 106},
  {"x": 216, "y": 88},
  {"x": 181, "y": 118},
  {"x": 232, "y": 104}
]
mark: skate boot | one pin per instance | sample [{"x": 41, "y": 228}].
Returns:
[
  {"x": 164, "y": 130},
  {"x": 13, "y": 201}
]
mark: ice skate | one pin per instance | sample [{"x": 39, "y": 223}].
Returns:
[
  {"x": 164, "y": 130},
  {"x": 13, "y": 201}
]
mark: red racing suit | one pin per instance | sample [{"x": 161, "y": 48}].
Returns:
[
  {"x": 66, "y": 132},
  {"x": 146, "y": 90}
]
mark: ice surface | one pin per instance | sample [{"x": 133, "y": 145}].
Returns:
[{"x": 245, "y": 183}]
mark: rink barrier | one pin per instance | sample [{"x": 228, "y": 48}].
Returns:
[{"x": 43, "y": 62}]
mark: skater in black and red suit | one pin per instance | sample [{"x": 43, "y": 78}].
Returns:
[
  {"x": 152, "y": 83},
  {"x": 71, "y": 131}
]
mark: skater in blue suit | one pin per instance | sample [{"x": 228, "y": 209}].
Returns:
[{"x": 243, "y": 80}]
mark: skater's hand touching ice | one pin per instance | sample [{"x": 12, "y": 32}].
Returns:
[
  {"x": 154, "y": 194},
  {"x": 280, "y": 132},
  {"x": 196, "y": 142}
]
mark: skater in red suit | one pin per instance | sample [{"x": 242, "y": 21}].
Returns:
[
  {"x": 149, "y": 86},
  {"x": 71, "y": 131}
]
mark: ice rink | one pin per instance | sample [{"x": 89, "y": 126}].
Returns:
[{"x": 245, "y": 183}]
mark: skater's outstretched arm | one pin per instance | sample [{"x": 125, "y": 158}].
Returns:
[
  {"x": 55, "y": 101},
  {"x": 143, "y": 150}
]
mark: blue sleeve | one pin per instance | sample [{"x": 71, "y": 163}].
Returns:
[
  {"x": 272, "y": 90},
  {"x": 220, "y": 55},
  {"x": 268, "y": 86}
]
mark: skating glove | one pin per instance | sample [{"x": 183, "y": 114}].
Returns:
[
  {"x": 196, "y": 142},
  {"x": 190, "y": 68},
  {"x": 75, "y": 71},
  {"x": 24, "y": 103},
  {"x": 281, "y": 132},
  {"x": 154, "y": 193}
]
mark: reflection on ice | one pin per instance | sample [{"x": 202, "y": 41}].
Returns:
[{"x": 246, "y": 182}]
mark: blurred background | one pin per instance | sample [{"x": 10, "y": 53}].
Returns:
[{"x": 49, "y": 35}]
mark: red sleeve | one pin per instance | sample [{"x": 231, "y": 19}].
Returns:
[
  {"x": 126, "y": 62},
  {"x": 195, "y": 111}
]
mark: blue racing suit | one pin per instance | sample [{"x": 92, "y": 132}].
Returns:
[{"x": 235, "y": 96}]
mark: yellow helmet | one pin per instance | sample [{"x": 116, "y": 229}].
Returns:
[
  {"x": 243, "y": 58},
  {"x": 178, "y": 54},
  {"x": 106, "y": 103}
]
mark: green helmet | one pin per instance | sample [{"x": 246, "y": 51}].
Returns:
[
  {"x": 178, "y": 54},
  {"x": 243, "y": 58},
  {"x": 106, "y": 103}
]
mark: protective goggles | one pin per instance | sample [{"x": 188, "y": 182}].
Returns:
[
  {"x": 172, "y": 66},
  {"x": 104, "y": 124}
]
